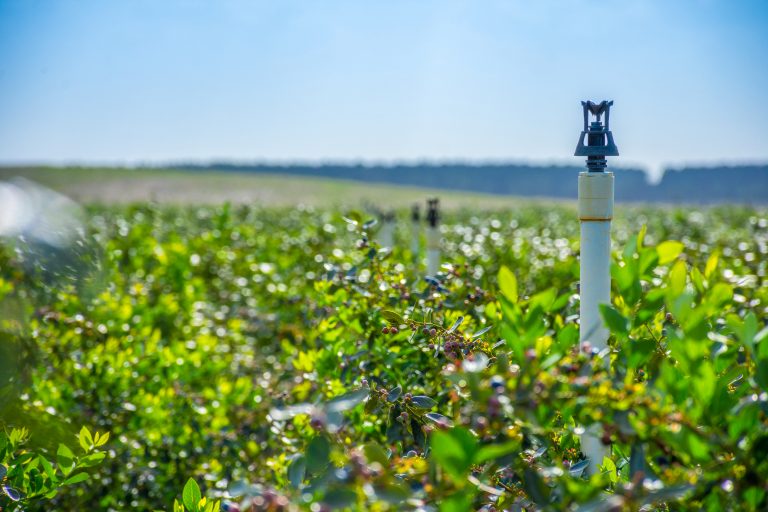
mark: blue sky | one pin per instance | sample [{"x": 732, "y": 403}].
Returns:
[{"x": 150, "y": 81}]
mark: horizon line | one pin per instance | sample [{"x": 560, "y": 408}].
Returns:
[{"x": 368, "y": 163}]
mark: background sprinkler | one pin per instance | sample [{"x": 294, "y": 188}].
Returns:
[
  {"x": 415, "y": 232},
  {"x": 433, "y": 236}
]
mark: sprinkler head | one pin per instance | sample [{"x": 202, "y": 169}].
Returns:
[
  {"x": 415, "y": 215},
  {"x": 433, "y": 216},
  {"x": 599, "y": 139}
]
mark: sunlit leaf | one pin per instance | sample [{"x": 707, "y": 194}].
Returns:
[{"x": 669, "y": 251}]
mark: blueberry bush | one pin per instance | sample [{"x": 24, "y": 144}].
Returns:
[{"x": 279, "y": 359}]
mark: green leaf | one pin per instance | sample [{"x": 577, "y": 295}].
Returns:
[
  {"x": 75, "y": 479},
  {"x": 296, "y": 471},
  {"x": 711, "y": 266},
  {"x": 101, "y": 440},
  {"x": 392, "y": 317},
  {"x": 423, "y": 402},
  {"x": 508, "y": 284},
  {"x": 669, "y": 251},
  {"x": 86, "y": 441},
  {"x": 453, "y": 451},
  {"x": 750, "y": 329},
  {"x": 318, "y": 454},
  {"x": 535, "y": 487},
  {"x": 439, "y": 419},
  {"x": 639, "y": 351},
  {"x": 649, "y": 258},
  {"x": 394, "y": 394},
  {"x": 347, "y": 401},
  {"x": 719, "y": 295},
  {"x": 630, "y": 248},
  {"x": 495, "y": 451},
  {"x": 677, "y": 278},
  {"x": 458, "y": 502},
  {"x": 754, "y": 497},
  {"x": 641, "y": 236},
  {"x": 392, "y": 492},
  {"x": 47, "y": 467},
  {"x": 623, "y": 276},
  {"x": 190, "y": 496},
  {"x": 697, "y": 447},
  {"x": 698, "y": 280},
  {"x": 615, "y": 321},
  {"x": 375, "y": 453},
  {"x": 65, "y": 458},
  {"x": 761, "y": 375},
  {"x": 456, "y": 324},
  {"x": 703, "y": 382},
  {"x": 340, "y": 498},
  {"x": 576, "y": 470},
  {"x": 544, "y": 300},
  {"x": 609, "y": 467},
  {"x": 13, "y": 494},
  {"x": 481, "y": 332},
  {"x": 91, "y": 460}
]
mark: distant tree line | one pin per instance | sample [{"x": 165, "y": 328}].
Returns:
[{"x": 734, "y": 184}]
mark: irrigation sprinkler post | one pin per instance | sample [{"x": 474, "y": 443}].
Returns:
[
  {"x": 595, "y": 214},
  {"x": 433, "y": 237},
  {"x": 387, "y": 230},
  {"x": 415, "y": 232}
]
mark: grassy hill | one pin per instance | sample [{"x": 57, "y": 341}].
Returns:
[{"x": 115, "y": 185}]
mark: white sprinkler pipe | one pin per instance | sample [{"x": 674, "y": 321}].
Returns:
[
  {"x": 415, "y": 239},
  {"x": 433, "y": 250},
  {"x": 386, "y": 233},
  {"x": 415, "y": 233},
  {"x": 595, "y": 214}
]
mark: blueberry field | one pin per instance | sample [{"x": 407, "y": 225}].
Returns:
[{"x": 277, "y": 359}]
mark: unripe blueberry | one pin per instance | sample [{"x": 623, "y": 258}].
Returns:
[
  {"x": 385, "y": 330},
  {"x": 393, "y": 330}
]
